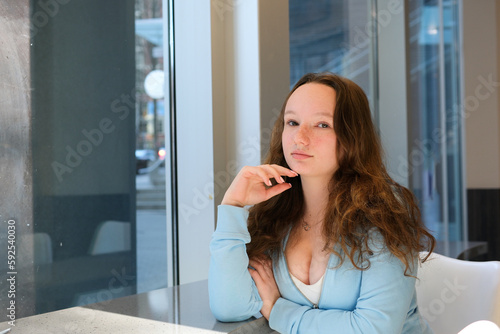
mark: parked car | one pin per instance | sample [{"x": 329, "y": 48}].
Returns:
[{"x": 143, "y": 158}]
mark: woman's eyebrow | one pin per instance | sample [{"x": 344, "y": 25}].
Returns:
[{"x": 320, "y": 113}]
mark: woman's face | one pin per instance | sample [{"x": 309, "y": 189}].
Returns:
[{"x": 308, "y": 139}]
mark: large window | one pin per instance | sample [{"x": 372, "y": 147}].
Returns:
[
  {"x": 421, "y": 125},
  {"x": 98, "y": 143},
  {"x": 83, "y": 142}
]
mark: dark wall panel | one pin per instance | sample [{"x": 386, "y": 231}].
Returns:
[
  {"x": 484, "y": 219},
  {"x": 83, "y": 63}
]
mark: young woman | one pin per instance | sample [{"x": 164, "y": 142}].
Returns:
[{"x": 331, "y": 243}]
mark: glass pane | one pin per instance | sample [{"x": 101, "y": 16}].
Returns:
[
  {"x": 435, "y": 155},
  {"x": 150, "y": 147},
  {"x": 333, "y": 36},
  {"x": 99, "y": 222},
  {"x": 83, "y": 154},
  {"x": 425, "y": 155},
  {"x": 454, "y": 119}
]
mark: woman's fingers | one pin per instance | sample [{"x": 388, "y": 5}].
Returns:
[
  {"x": 285, "y": 171},
  {"x": 267, "y": 172},
  {"x": 273, "y": 172},
  {"x": 255, "y": 276},
  {"x": 265, "y": 175},
  {"x": 262, "y": 274},
  {"x": 263, "y": 268},
  {"x": 277, "y": 189},
  {"x": 253, "y": 185}
]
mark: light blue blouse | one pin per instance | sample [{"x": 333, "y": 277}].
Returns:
[{"x": 377, "y": 300}]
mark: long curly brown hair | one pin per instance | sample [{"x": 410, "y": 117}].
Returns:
[{"x": 362, "y": 194}]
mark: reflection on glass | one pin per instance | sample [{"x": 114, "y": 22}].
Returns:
[
  {"x": 334, "y": 36},
  {"x": 150, "y": 147},
  {"x": 99, "y": 223},
  {"x": 84, "y": 224},
  {"x": 435, "y": 157},
  {"x": 454, "y": 120}
]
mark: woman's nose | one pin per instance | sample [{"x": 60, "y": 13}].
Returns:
[{"x": 302, "y": 136}]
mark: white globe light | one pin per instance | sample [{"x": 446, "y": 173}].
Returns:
[{"x": 154, "y": 84}]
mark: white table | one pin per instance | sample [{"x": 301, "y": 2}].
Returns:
[{"x": 182, "y": 310}]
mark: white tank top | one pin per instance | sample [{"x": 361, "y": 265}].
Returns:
[{"x": 311, "y": 292}]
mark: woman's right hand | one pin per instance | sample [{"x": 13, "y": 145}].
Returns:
[{"x": 253, "y": 185}]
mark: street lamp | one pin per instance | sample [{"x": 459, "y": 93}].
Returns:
[{"x": 154, "y": 87}]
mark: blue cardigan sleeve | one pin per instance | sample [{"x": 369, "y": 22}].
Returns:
[
  {"x": 385, "y": 296},
  {"x": 233, "y": 294}
]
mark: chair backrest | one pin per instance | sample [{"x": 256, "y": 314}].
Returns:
[
  {"x": 453, "y": 293},
  {"x": 111, "y": 236},
  {"x": 482, "y": 326}
]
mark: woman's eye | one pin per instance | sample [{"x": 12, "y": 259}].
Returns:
[
  {"x": 323, "y": 125},
  {"x": 292, "y": 123}
]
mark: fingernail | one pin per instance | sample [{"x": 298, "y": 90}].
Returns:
[
  {"x": 281, "y": 179},
  {"x": 269, "y": 183},
  {"x": 296, "y": 174}
]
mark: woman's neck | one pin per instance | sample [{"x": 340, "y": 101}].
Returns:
[{"x": 316, "y": 195}]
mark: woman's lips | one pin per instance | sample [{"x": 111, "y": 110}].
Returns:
[{"x": 300, "y": 155}]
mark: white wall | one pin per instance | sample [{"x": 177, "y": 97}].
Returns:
[
  {"x": 194, "y": 136},
  {"x": 250, "y": 57},
  {"x": 482, "y": 116},
  {"x": 393, "y": 99},
  {"x": 232, "y": 72},
  {"x": 274, "y": 55}
]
